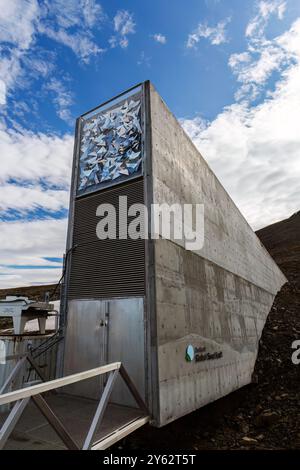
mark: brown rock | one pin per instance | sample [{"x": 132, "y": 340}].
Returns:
[
  {"x": 249, "y": 440},
  {"x": 268, "y": 418}
]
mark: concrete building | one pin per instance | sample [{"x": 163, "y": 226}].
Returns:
[{"x": 186, "y": 324}]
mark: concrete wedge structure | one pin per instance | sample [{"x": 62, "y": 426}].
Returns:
[
  {"x": 185, "y": 323},
  {"x": 216, "y": 299}
]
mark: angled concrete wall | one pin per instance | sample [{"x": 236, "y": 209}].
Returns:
[{"x": 216, "y": 299}]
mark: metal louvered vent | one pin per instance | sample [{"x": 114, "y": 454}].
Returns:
[{"x": 106, "y": 268}]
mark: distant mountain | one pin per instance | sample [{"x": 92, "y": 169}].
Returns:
[
  {"x": 33, "y": 292},
  {"x": 282, "y": 240}
]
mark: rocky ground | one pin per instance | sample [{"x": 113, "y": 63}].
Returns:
[{"x": 266, "y": 413}]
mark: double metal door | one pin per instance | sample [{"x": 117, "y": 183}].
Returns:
[{"x": 104, "y": 331}]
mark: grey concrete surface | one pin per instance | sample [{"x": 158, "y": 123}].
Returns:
[{"x": 217, "y": 298}]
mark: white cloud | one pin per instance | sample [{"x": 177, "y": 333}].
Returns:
[
  {"x": 40, "y": 165},
  {"x": 238, "y": 59},
  {"x": 92, "y": 12},
  {"x": 281, "y": 10},
  {"x": 123, "y": 25},
  {"x": 255, "y": 72},
  {"x": 63, "y": 99},
  {"x": 27, "y": 243},
  {"x": 47, "y": 239},
  {"x": 124, "y": 42},
  {"x": 2, "y": 92},
  {"x": 113, "y": 42},
  {"x": 18, "y": 19},
  {"x": 255, "y": 150},
  {"x": 216, "y": 35},
  {"x": 76, "y": 12},
  {"x": 160, "y": 38},
  {"x": 11, "y": 277},
  {"x": 80, "y": 43},
  {"x": 38, "y": 66},
  {"x": 266, "y": 8},
  {"x": 18, "y": 68},
  {"x": 10, "y": 70},
  {"x": 70, "y": 23},
  {"x": 28, "y": 157},
  {"x": 28, "y": 198},
  {"x": 144, "y": 60},
  {"x": 254, "y": 67}
]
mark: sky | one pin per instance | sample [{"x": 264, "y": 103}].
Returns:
[{"x": 228, "y": 69}]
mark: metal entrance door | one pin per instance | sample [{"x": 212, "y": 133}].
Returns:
[
  {"x": 126, "y": 343},
  {"x": 101, "y": 332},
  {"x": 86, "y": 344}
]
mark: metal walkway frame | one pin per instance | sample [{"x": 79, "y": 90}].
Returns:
[{"x": 21, "y": 398}]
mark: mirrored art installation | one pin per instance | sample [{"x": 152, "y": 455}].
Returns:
[{"x": 110, "y": 146}]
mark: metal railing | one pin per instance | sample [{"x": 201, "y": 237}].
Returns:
[{"x": 22, "y": 397}]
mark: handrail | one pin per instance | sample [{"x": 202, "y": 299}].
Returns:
[
  {"x": 22, "y": 396},
  {"x": 22, "y": 393}
]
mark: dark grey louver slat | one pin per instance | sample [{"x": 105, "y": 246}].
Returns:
[{"x": 106, "y": 268}]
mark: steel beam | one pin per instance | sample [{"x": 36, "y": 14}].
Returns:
[
  {"x": 133, "y": 389},
  {"x": 54, "y": 422}
]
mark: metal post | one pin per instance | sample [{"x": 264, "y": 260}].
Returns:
[
  {"x": 13, "y": 374},
  {"x": 100, "y": 410},
  {"x": 12, "y": 420}
]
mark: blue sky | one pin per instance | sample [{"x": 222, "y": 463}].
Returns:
[
  {"x": 192, "y": 81},
  {"x": 228, "y": 70}
]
